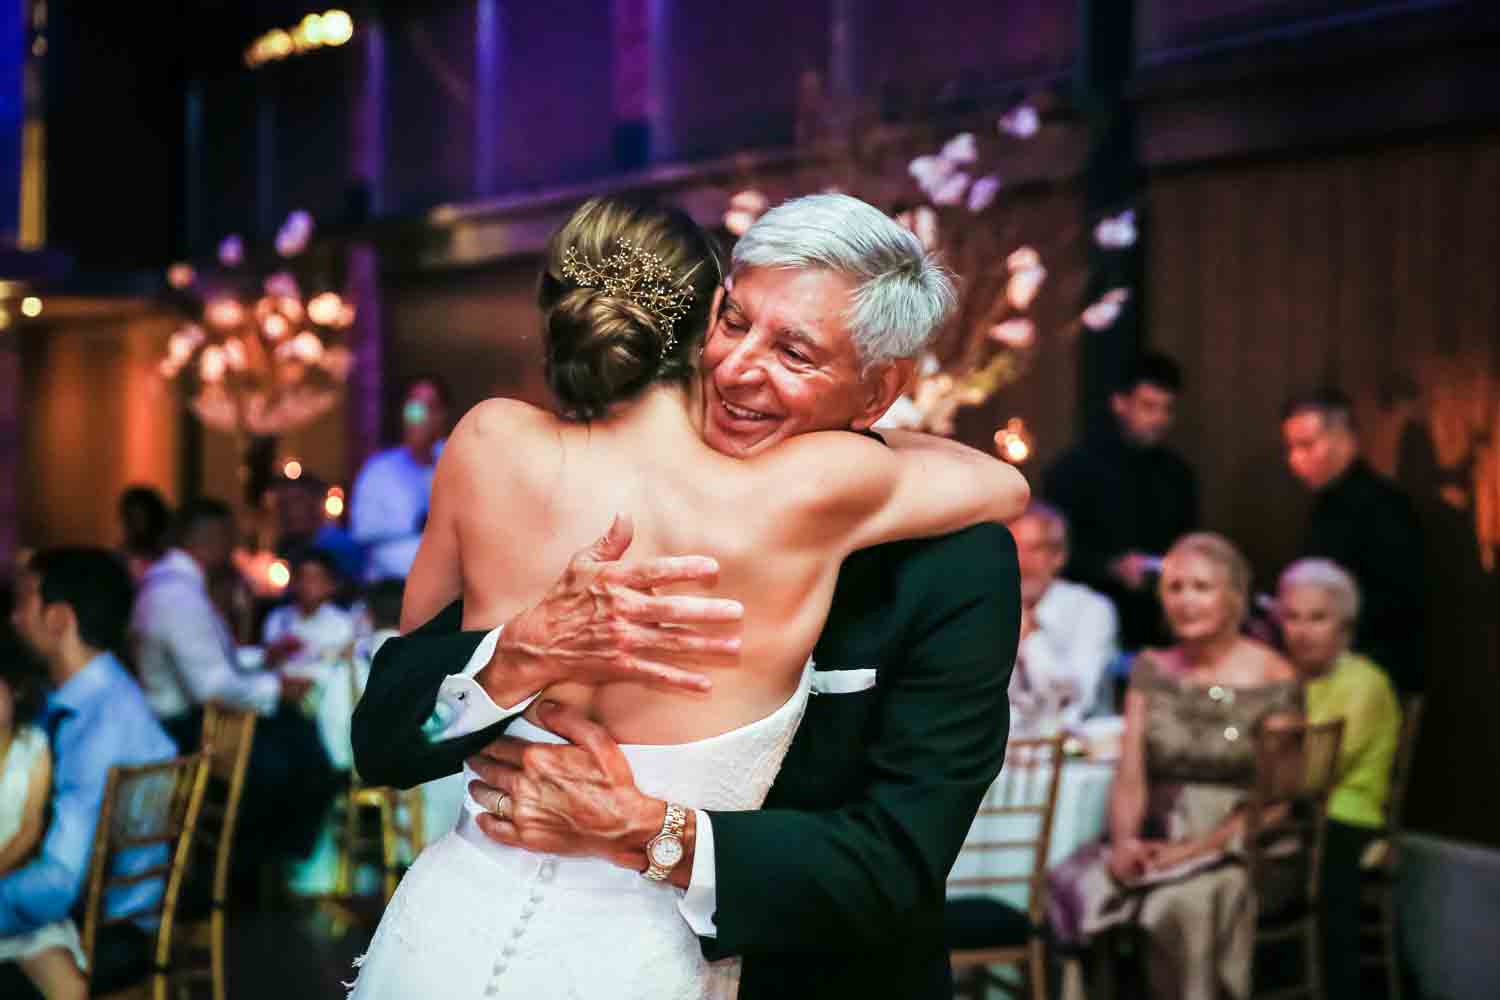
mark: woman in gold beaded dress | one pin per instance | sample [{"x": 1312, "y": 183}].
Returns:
[{"x": 1177, "y": 804}]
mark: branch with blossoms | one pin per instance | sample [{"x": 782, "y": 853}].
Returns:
[
  {"x": 258, "y": 357},
  {"x": 945, "y": 198}
]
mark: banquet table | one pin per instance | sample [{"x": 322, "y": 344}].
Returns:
[{"x": 1081, "y": 816}]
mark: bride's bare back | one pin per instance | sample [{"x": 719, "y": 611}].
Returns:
[{"x": 519, "y": 491}]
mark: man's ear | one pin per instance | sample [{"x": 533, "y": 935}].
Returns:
[
  {"x": 59, "y": 619},
  {"x": 1117, "y": 404},
  {"x": 881, "y": 388}
]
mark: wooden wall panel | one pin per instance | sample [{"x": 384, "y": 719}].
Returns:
[{"x": 95, "y": 419}]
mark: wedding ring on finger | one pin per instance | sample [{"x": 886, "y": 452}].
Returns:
[{"x": 497, "y": 803}]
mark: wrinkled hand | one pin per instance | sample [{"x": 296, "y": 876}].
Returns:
[
  {"x": 604, "y": 622},
  {"x": 1173, "y": 853},
  {"x": 1131, "y": 859},
  {"x": 577, "y": 798}
]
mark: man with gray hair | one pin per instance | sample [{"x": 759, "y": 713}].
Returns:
[
  {"x": 836, "y": 887},
  {"x": 1069, "y": 633}
]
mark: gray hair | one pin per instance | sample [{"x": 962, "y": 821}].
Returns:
[
  {"x": 1329, "y": 577},
  {"x": 901, "y": 294},
  {"x": 1054, "y": 520}
]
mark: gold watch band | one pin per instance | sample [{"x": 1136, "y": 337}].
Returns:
[{"x": 673, "y": 825}]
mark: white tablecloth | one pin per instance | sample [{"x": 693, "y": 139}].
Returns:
[{"x": 1081, "y": 817}]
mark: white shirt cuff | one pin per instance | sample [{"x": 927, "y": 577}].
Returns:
[
  {"x": 701, "y": 900},
  {"x": 463, "y": 706}
]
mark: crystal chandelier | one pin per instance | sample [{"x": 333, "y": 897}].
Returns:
[{"x": 258, "y": 358}]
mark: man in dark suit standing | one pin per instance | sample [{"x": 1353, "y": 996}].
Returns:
[
  {"x": 1363, "y": 522},
  {"x": 1128, "y": 497},
  {"x": 836, "y": 886}
]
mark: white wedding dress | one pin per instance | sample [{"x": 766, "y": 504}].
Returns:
[{"x": 473, "y": 918}]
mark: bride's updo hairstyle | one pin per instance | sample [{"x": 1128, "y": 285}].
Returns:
[{"x": 624, "y": 295}]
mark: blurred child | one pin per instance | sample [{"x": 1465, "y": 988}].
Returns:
[{"x": 312, "y": 628}]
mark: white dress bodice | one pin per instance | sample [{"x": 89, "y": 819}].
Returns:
[{"x": 474, "y": 918}]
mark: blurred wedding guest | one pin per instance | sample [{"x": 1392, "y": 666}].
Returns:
[
  {"x": 1363, "y": 522},
  {"x": 72, "y": 607},
  {"x": 388, "y": 508},
  {"x": 186, "y": 652},
  {"x": 1068, "y": 632},
  {"x": 313, "y": 637},
  {"x": 1318, "y": 606},
  {"x": 186, "y": 657},
  {"x": 145, "y": 524},
  {"x": 311, "y": 627},
  {"x": 1186, "y": 768},
  {"x": 302, "y": 524},
  {"x": 1128, "y": 497}
]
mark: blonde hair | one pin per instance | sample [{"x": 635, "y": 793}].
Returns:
[
  {"x": 1222, "y": 553},
  {"x": 602, "y": 348}
]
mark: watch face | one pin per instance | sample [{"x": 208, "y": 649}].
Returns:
[{"x": 666, "y": 851}]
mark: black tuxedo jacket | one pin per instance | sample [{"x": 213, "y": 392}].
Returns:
[{"x": 835, "y": 888}]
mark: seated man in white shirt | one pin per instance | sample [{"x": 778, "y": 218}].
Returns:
[
  {"x": 1069, "y": 633},
  {"x": 186, "y": 657}
]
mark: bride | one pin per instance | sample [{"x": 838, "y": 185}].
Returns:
[{"x": 627, "y": 294}]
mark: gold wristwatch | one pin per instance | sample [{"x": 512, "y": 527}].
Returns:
[{"x": 665, "y": 850}]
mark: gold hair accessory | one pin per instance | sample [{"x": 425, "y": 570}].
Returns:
[{"x": 638, "y": 276}]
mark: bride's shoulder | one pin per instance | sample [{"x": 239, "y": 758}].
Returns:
[
  {"x": 499, "y": 420},
  {"x": 498, "y": 432}
]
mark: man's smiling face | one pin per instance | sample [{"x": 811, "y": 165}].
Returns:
[{"x": 779, "y": 361}]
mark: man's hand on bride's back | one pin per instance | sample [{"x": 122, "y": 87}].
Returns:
[
  {"x": 603, "y": 621},
  {"x": 574, "y": 798}
]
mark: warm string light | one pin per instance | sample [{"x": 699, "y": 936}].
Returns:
[
  {"x": 1013, "y": 441},
  {"x": 331, "y": 28}
]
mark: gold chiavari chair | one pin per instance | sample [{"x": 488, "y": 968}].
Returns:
[
  {"x": 228, "y": 735},
  {"x": 1378, "y": 927},
  {"x": 1296, "y": 767},
  {"x": 984, "y": 931},
  {"x": 145, "y": 806}
]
